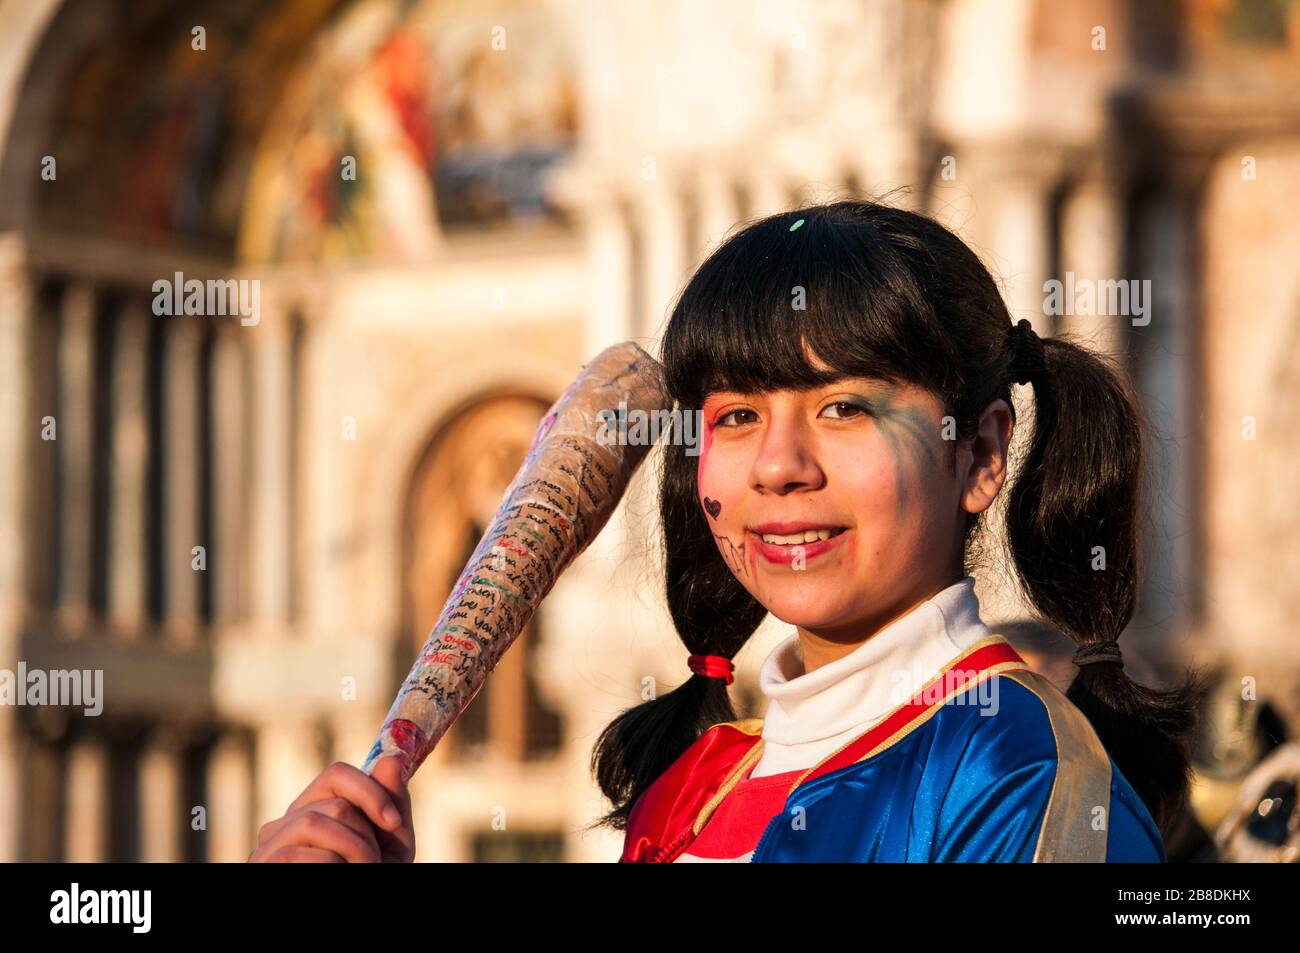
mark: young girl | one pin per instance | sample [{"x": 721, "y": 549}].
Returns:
[{"x": 853, "y": 364}]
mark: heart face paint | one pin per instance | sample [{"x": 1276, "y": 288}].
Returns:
[{"x": 732, "y": 549}]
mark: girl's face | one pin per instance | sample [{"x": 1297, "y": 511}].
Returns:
[{"x": 839, "y": 508}]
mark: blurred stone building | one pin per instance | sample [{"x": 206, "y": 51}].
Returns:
[{"x": 249, "y": 521}]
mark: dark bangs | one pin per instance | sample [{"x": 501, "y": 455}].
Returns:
[{"x": 866, "y": 309}]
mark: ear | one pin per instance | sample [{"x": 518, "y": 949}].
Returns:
[{"x": 986, "y": 460}]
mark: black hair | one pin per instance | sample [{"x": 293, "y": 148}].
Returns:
[{"x": 894, "y": 295}]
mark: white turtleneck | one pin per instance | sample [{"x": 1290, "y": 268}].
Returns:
[{"x": 810, "y": 715}]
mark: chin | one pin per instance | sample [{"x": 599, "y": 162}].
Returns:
[{"x": 809, "y": 607}]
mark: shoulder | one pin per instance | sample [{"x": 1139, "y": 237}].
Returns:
[
  {"x": 683, "y": 797},
  {"x": 1026, "y": 743},
  {"x": 1019, "y": 718},
  {"x": 720, "y": 748}
]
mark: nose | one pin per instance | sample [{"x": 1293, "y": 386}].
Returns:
[{"x": 786, "y": 461}]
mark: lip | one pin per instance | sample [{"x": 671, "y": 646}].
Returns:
[
  {"x": 777, "y": 553},
  {"x": 796, "y": 526}
]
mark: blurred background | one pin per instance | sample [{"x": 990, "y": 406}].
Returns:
[{"x": 448, "y": 206}]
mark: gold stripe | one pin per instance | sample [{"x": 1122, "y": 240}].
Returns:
[
  {"x": 933, "y": 710},
  {"x": 1082, "y": 781},
  {"x": 929, "y": 712},
  {"x": 749, "y": 726},
  {"x": 754, "y": 726}
]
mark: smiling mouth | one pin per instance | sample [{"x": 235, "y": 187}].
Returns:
[{"x": 800, "y": 538}]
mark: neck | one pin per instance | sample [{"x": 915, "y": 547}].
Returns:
[{"x": 821, "y": 646}]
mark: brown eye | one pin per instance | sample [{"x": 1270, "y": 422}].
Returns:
[
  {"x": 845, "y": 410},
  {"x": 731, "y": 413}
]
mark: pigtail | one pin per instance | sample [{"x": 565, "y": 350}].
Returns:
[
  {"x": 1074, "y": 509},
  {"x": 713, "y": 615}
]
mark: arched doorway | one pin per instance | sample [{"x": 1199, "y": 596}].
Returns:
[{"x": 457, "y": 487}]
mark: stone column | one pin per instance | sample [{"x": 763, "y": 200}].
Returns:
[
  {"x": 227, "y": 553},
  {"x": 230, "y": 798},
  {"x": 324, "y": 454},
  {"x": 17, "y": 426},
  {"x": 659, "y": 216},
  {"x": 86, "y": 790},
  {"x": 1012, "y": 184},
  {"x": 163, "y": 811},
  {"x": 285, "y": 762},
  {"x": 609, "y": 257},
  {"x": 717, "y": 209},
  {"x": 182, "y": 426},
  {"x": 128, "y": 510},
  {"x": 74, "y": 428},
  {"x": 1092, "y": 244},
  {"x": 38, "y": 805},
  {"x": 1014, "y": 205},
  {"x": 12, "y": 782},
  {"x": 1165, "y": 368},
  {"x": 270, "y": 556}
]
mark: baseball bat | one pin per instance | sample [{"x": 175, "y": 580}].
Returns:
[{"x": 564, "y": 492}]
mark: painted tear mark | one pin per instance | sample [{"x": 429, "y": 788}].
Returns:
[{"x": 733, "y": 554}]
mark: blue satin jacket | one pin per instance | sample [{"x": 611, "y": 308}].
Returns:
[{"x": 989, "y": 762}]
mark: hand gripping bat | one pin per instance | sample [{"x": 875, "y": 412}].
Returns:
[{"x": 576, "y": 470}]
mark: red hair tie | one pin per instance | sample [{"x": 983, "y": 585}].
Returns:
[{"x": 712, "y": 666}]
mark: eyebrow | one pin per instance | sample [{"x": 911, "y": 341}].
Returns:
[{"x": 874, "y": 383}]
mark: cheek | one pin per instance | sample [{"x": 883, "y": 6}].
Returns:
[
  {"x": 706, "y": 464},
  {"x": 885, "y": 502},
  {"x": 896, "y": 501},
  {"x": 872, "y": 487},
  {"x": 718, "y": 478}
]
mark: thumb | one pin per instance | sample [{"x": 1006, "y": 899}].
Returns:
[
  {"x": 388, "y": 772},
  {"x": 398, "y": 845}
]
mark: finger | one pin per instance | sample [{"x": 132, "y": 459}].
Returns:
[
  {"x": 340, "y": 809},
  {"x": 387, "y": 772},
  {"x": 345, "y": 781},
  {"x": 345, "y": 812},
  {"x": 310, "y": 828},
  {"x": 266, "y": 833},
  {"x": 397, "y": 846},
  {"x": 270, "y": 829}
]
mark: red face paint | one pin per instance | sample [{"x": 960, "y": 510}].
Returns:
[{"x": 705, "y": 443}]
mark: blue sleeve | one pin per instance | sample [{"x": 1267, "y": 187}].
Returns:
[{"x": 1003, "y": 783}]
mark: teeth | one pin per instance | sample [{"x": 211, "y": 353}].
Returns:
[{"x": 807, "y": 536}]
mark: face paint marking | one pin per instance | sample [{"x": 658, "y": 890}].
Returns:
[
  {"x": 906, "y": 429},
  {"x": 733, "y": 553},
  {"x": 713, "y": 507}
]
